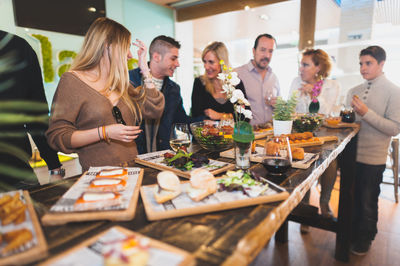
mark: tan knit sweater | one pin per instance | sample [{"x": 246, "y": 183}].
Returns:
[
  {"x": 380, "y": 123},
  {"x": 77, "y": 106}
]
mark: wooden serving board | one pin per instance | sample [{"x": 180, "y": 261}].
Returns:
[
  {"x": 321, "y": 141},
  {"x": 258, "y": 157},
  {"x": 341, "y": 125},
  {"x": 86, "y": 253},
  {"x": 63, "y": 217},
  {"x": 183, "y": 205},
  {"x": 34, "y": 253},
  {"x": 155, "y": 160},
  {"x": 263, "y": 133}
]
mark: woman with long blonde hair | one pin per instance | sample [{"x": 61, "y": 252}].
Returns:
[
  {"x": 96, "y": 112},
  {"x": 208, "y": 98}
]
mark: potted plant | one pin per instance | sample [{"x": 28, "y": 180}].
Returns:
[
  {"x": 283, "y": 114},
  {"x": 243, "y": 133}
]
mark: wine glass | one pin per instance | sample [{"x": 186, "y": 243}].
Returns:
[
  {"x": 180, "y": 137},
  {"x": 278, "y": 156}
]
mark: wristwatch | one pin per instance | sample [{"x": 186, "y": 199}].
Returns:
[{"x": 60, "y": 172}]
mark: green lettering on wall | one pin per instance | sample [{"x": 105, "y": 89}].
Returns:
[
  {"x": 45, "y": 44},
  {"x": 62, "y": 56}
]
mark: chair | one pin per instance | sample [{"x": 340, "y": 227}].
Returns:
[{"x": 394, "y": 158}]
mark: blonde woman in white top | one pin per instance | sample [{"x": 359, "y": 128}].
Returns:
[{"x": 317, "y": 94}]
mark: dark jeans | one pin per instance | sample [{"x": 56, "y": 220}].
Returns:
[{"x": 366, "y": 194}]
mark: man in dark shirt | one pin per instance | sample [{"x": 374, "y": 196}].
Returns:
[
  {"x": 22, "y": 94},
  {"x": 164, "y": 53}
]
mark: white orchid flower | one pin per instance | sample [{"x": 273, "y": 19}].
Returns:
[
  {"x": 227, "y": 88},
  {"x": 234, "y": 79},
  {"x": 237, "y": 95},
  {"x": 247, "y": 113},
  {"x": 221, "y": 76},
  {"x": 244, "y": 101}
]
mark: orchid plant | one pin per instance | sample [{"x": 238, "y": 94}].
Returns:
[{"x": 229, "y": 81}]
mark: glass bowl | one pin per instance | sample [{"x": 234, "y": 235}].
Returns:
[
  {"x": 213, "y": 136},
  {"x": 333, "y": 120},
  {"x": 307, "y": 122}
]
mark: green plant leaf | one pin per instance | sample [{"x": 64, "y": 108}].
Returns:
[
  {"x": 14, "y": 151},
  {"x": 13, "y": 119},
  {"x": 22, "y": 106},
  {"x": 17, "y": 173},
  {"x": 284, "y": 110}
]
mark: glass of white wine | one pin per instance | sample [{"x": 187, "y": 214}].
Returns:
[{"x": 180, "y": 137}]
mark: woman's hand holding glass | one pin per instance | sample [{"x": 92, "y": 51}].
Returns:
[{"x": 122, "y": 132}]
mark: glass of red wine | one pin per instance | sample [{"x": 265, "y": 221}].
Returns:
[{"x": 278, "y": 157}]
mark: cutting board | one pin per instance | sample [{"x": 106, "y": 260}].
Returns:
[
  {"x": 341, "y": 125},
  {"x": 89, "y": 251},
  {"x": 263, "y": 133},
  {"x": 258, "y": 157},
  {"x": 321, "y": 141},
  {"x": 156, "y": 160},
  {"x": 183, "y": 205},
  {"x": 63, "y": 211},
  {"x": 39, "y": 249}
]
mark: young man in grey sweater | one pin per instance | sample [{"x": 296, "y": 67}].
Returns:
[{"x": 377, "y": 106}]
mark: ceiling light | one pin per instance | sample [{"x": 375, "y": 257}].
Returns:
[
  {"x": 92, "y": 9},
  {"x": 247, "y": 8}
]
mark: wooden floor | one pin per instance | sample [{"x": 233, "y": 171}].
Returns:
[{"x": 318, "y": 246}]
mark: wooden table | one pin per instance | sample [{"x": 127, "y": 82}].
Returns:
[{"x": 233, "y": 237}]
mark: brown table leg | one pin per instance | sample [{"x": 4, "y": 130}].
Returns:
[
  {"x": 347, "y": 163},
  {"x": 282, "y": 235}
]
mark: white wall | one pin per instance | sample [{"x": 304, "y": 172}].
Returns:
[{"x": 184, "y": 73}]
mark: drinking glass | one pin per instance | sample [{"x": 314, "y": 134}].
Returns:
[
  {"x": 180, "y": 137},
  {"x": 278, "y": 157},
  {"x": 348, "y": 115}
]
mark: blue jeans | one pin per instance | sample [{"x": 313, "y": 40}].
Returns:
[{"x": 366, "y": 194}]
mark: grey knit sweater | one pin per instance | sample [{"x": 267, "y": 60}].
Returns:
[{"x": 381, "y": 122}]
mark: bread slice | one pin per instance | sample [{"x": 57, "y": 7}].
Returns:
[
  {"x": 168, "y": 187},
  {"x": 168, "y": 180},
  {"x": 202, "y": 184},
  {"x": 297, "y": 153},
  {"x": 197, "y": 194},
  {"x": 165, "y": 195}
]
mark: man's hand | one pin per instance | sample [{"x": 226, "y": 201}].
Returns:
[
  {"x": 271, "y": 101},
  {"x": 358, "y": 106}
]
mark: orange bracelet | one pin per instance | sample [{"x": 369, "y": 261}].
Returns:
[{"x": 105, "y": 137}]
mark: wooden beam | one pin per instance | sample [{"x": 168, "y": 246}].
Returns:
[
  {"x": 217, "y": 7},
  {"x": 308, "y": 12}
]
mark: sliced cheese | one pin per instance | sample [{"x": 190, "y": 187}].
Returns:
[
  {"x": 106, "y": 181},
  {"x": 111, "y": 172},
  {"x": 91, "y": 196}
]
